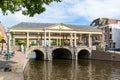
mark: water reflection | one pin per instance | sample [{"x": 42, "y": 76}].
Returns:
[{"x": 72, "y": 70}]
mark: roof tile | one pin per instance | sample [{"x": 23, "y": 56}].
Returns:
[{"x": 43, "y": 25}]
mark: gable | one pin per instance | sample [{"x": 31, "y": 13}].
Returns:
[{"x": 60, "y": 27}]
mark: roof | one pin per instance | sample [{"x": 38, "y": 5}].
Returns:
[
  {"x": 32, "y": 25},
  {"x": 83, "y": 27},
  {"x": 44, "y": 25}
]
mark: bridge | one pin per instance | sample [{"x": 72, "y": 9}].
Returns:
[
  {"x": 59, "y": 52},
  {"x": 55, "y": 35}
]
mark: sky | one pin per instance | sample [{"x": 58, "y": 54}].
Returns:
[{"x": 68, "y": 12}]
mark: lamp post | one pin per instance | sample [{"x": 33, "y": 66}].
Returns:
[{"x": 8, "y": 46}]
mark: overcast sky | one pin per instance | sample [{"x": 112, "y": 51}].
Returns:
[{"x": 69, "y": 11}]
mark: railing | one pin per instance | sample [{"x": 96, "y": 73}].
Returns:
[{"x": 58, "y": 46}]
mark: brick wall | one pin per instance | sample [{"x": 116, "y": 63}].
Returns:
[{"x": 102, "y": 55}]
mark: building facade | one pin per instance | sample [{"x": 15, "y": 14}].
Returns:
[
  {"x": 2, "y": 32},
  {"x": 53, "y": 34},
  {"x": 111, "y": 28}
]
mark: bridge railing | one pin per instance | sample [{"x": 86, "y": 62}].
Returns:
[{"x": 58, "y": 46}]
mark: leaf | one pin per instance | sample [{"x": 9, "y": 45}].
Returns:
[{"x": 28, "y": 7}]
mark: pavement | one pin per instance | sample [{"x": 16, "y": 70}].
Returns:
[
  {"x": 11, "y": 76},
  {"x": 16, "y": 64}
]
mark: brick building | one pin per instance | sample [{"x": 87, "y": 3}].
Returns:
[
  {"x": 111, "y": 28},
  {"x": 2, "y": 31}
]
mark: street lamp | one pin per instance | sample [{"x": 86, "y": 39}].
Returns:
[{"x": 8, "y": 46}]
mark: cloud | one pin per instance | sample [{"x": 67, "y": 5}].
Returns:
[
  {"x": 91, "y": 9},
  {"x": 68, "y": 11}
]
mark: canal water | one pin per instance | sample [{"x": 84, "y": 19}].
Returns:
[{"x": 72, "y": 70}]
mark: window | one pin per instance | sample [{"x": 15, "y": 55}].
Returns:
[
  {"x": 110, "y": 29},
  {"x": 110, "y": 36},
  {"x": 118, "y": 22}
]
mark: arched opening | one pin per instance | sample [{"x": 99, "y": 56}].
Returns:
[
  {"x": 61, "y": 53},
  {"x": 83, "y": 54},
  {"x": 39, "y": 55}
]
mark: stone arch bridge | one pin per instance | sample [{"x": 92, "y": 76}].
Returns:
[{"x": 59, "y": 52}]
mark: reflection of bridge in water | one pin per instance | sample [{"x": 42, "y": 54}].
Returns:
[
  {"x": 72, "y": 70},
  {"x": 59, "y": 52},
  {"x": 58, "y": 70}
]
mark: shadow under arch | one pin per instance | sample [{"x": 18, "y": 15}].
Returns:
[
  {"x": 39, "y": 54},
  {"x": 61, "y": 53},
  {"x": 83, "y": 54}
]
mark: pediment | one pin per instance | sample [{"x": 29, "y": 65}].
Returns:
[{"x": 60, "y": 27}]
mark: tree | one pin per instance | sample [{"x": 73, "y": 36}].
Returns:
[
  {"x": 1, "y": 37},
  {"x": 28, "y": 7}
]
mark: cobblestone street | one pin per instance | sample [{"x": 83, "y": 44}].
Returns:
[{"x": 15, "y": 63}]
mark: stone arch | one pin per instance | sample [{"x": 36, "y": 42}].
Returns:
[
  {"x": 61, "y": 53},
  {"x": 36, "y": 51},
  {"x": 83, "y": 54},
  {"x": 39, "y": 54}
]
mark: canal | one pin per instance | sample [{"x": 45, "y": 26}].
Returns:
[{"x": 72, "y": 70}]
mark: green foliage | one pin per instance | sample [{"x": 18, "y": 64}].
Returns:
[
  {"x": 28, "y": 7},
  {"x": 33, "y": 43},
  {"x": 99, "y": 48},
  {"x": 16, "y": 42},
  {"x": 24, "y": 42},
  {"x": 104, "y": 18},
  {"x": 1, "y": 37}
]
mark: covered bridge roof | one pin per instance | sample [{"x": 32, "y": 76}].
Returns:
[{"x": 45, "y": 25}]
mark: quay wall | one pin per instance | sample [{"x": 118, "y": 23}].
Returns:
[{"x": 102, "y": 55}]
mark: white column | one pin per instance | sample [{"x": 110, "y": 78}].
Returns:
[
  {"x": 57, "y": 41},
  {"x": 60, "y": 42},
  {"x": 13, "y": 40},
  {"x": 71, "y": 40},
  {"x": 75, "y": 39},
  {"x": 38, "y": 39},
  {"x": 49, "y": 44},
  {"x": 102, "y": 44},
  {"x": 41, "y": 35},
  {"x": 10, "y": 37},
  {"x": 60, "y": 39},
  {"x": 45, "y": 38},
  {"x": 90, "y": 41},
  {"x": 28, "y": 39},
  {"x": 80, "y": 37}
]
